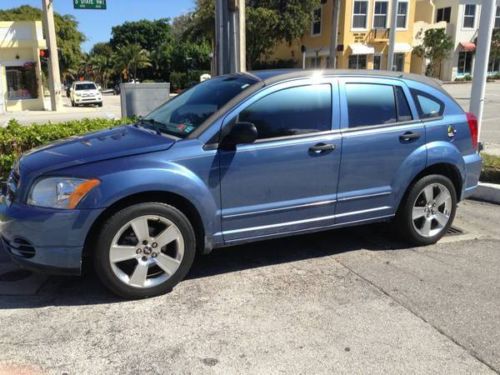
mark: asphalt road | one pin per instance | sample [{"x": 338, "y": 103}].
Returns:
[{"x": 345, "y": 301}]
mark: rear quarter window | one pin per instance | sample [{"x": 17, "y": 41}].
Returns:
[{"x": 428, "y": 106}]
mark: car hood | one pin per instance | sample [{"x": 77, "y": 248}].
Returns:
[{"x": 93, "y": 147}]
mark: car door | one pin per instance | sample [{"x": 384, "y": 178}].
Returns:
[
  {"x": 383, "y": 144},
  {"x": 286, "y": 180}
]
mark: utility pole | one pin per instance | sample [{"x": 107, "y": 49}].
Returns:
[
  {"x": 392, "y": 34},
  {"x": 54, "y": 73},
  {"x": 335, "y": 33},
  {"x": 486, "y": 23},
  {"x": 230, "y": 41}
]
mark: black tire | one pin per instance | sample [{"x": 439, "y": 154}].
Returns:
[
  {"x": 404, "y": 217},
  {"x": 101, "y": 257},
  {"x": 99, "y": 104}
]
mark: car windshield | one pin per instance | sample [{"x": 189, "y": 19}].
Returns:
[
  {"x": 85, "y": 86},
  {"x": 183, "y": 114}
]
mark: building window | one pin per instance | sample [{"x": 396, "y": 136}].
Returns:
[
  {"x": 469, "y": 16},
  {"x": 443, "y": 14},
  {"x": 497, "y": 18},
  {"x": 402, "y": 15},
  {"x": 21, "y": 82},
  {"x": 360, "y": 14},
  {"x": 399, "y": 62},
  {"x": 380, "y": 15},
  {"x": 377, "y": 62},
  {"x": 357, "y": 62},
  {"x": 494, "y": 65},
  {"x": 464, "y": 63},
  {"x": 316, "y": 21}
]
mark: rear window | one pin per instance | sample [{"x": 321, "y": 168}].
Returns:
[
  {"x": 85, "y": 86},
  {"x": 428, "y": 106}
]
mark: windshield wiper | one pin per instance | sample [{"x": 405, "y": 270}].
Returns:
[{"x": 154, "y": 125}]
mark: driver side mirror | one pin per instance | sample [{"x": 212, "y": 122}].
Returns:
[{"x": 240, "y": 133}]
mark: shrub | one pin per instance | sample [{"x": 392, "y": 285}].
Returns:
[{"x": 16, "y": 139}]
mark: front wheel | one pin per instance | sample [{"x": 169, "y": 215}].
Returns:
[
  {"x": 144, "y": 250},
  {"x": 428, "y": 210}
]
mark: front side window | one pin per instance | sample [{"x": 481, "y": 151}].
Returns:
[
  {"x": 427, "y": 105},
  {"x": 402, "y": 15},
  {"x": 443, "y": 14},
  {"x": 380, "y": 15},
  {"x": 186, "y": 112},
  {"x": 292, "y": 111},
  {"x": 469, "y": 16},
  {"x": 21, "y": 82},
  {"x": 360, "y": 13},
  {"x": 316, "y": 21},
  {"x": 357, "y": 62}
]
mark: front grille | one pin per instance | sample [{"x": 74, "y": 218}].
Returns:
[{"x": 19, "y": 247}]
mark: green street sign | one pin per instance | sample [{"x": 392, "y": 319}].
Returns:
[{"x": 89, "y": 4}]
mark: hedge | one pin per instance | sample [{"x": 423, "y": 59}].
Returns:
[{"x": 16, "y": 139}]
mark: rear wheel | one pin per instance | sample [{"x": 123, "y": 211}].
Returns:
[
  {"x": 144, "y": 250},
  {"x": 428, "y": 211}
]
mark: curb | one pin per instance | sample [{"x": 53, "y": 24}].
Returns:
[{"x": 487, "y": 193}]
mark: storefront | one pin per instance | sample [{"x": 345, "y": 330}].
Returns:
[{"x": 20, "y": 69}]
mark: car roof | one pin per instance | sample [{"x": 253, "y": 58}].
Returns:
[
  {"x": 278, "y": 75},
  {"x": 84, "y": 82}
]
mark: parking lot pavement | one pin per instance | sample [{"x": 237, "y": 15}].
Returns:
[
  {"x": 111, "y": 109},
  {"x": 345, "y": 301}
]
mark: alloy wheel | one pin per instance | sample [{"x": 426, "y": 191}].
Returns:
[
  {"x": 146, "y": 251},
  {"x": 431, "y": 210}
]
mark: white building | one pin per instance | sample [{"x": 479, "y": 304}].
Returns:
[{"x": 462, "y": 24}]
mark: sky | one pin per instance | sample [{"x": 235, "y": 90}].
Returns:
[{"x": 97, "y": 24}]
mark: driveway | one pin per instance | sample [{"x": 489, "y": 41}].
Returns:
[{"x": 345, "y": 301}]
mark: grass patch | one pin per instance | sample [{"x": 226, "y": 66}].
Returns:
[{"x": 491, "y": 168}]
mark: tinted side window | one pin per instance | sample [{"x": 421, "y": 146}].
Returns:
[
  {"x": 404, "y": 112},
  {"x": 428, "y": 106},
  {"x": 297, "y": 110},
  {"x": 370, "y": 104}
]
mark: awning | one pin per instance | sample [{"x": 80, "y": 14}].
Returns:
[
  {"x": 402, "y": 48},
  {"x": 467, "y": 46},
  {"x": 361, "y": 49}
]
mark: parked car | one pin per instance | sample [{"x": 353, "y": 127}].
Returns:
[
  {"x": 241, "y": 158},
  {"x": 84, "y": 93}
]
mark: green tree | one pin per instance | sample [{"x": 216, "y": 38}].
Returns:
[
  {"x": 130, "y": 58},
  {"x": 495, "y": 46},
  {"x": 69, "y": 38},
  {"x": 268, "y": 22},
  {"x": 146, "y": 33},
  {"x": 436, "y": 47}
]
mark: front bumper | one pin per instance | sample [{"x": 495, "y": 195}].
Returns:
[
  {"x": 88, "y": 100},
  {"x": 43, "y": 239}
]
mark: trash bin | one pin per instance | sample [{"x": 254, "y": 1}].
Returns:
[{"x": 138, "y": 99}]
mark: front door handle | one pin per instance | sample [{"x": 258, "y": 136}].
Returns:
[
  {"x": 322, "y": 147},
  {"x": 409, "y": 136}
]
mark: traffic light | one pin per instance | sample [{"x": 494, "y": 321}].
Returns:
[{"x": 44, "y": 55}]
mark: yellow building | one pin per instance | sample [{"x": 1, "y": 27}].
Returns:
[
  {"x": 363, "y": 36},
  {"x": 20, "y": 68}
]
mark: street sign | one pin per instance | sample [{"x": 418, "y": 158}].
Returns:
[{"x": 89, "y": 4}]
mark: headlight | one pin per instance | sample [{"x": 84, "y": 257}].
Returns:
[{"x": 60, "y": 192}]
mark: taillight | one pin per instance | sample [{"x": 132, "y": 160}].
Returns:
[{"x": 472, "y": 120}]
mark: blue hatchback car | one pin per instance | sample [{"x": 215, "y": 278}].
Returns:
[{"x": 240, "y": 158}]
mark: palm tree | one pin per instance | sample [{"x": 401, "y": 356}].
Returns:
[
  {"x": 131, "y": 57},
  {"x": 102, "y": 68}
]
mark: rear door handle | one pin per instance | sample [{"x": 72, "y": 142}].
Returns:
[
  {"x": 322, "y": 147},
  {"x": 409, "y": 136}
]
